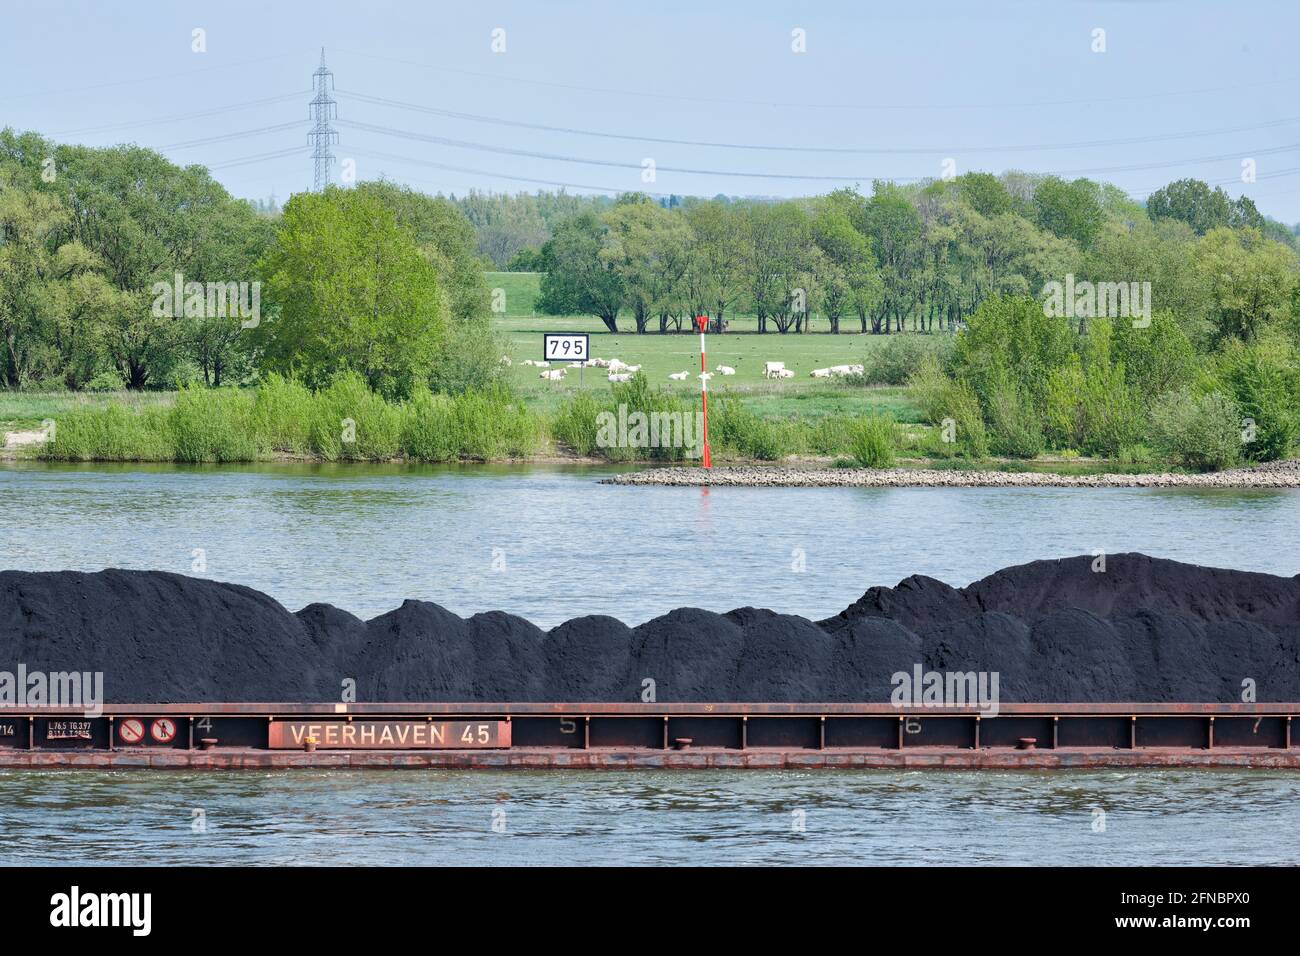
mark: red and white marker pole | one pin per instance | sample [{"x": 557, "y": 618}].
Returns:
[{"x": 702, "y": 322}]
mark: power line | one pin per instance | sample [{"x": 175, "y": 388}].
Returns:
[
  {"x": 882, "y": 150},
  {"x": 144, "y": 79},
  {"x": 223, "y": 137},
  {"x": 259, "y": 158},
  {"x": 833, "y": 106},
  {"x": 749, "y": 174},
  {"x": 557, "y": 157},
  {"x": 483, "y": 172},
  {"x": 179, "y": 117}
]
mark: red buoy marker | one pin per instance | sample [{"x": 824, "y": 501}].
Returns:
[{"x": 702, "y": 322}]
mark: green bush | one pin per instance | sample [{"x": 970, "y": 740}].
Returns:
[
  {"x": 575, "y": 423},
  {"x": 1013, "y": 428},
  {"x": 429, "y": 428},
  {"x": 954, "y": 409},
  {"x": 1065, "y": 420},
  {"x": 749, "y": 436},
  {"x": 1112, "y": 416},
  {"x": 351, "y": 422},
  {"x": 213, "y": 425},
  {"x": 830, "y": 435},
  {"x": 114, "y": 433},
  {"x": 901, "y": 355},
  {"x": 1198, "y": 431},
  {"x": 873, "y": 441},
  {"x": 931, "y": 390},
  {"x": 470, "y": 358},
  {"x": 107, "y": 381},
  {"x": 1264, "y": 387},
  {"x": 283, "y": 410}
]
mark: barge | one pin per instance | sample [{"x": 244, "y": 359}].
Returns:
[{"x": 604, "y": 736}]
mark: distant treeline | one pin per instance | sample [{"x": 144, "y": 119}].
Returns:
[{"x": 919, "y": 257}]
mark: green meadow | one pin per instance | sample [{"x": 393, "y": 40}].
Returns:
[{"x": 659, "y": 355}]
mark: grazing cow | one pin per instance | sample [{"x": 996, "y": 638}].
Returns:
[
  {"x": 770, "y": 369},
  {"x": 725, "y": 370},
  {"x": 677, "y": 376}
]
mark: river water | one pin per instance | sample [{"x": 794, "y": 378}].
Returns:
[{"x": 552, "y": 543}]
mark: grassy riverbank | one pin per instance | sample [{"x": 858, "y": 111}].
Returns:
[{"x": 282, "y": 420}]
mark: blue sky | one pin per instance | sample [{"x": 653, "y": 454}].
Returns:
[{"x": 989, "y": 85}]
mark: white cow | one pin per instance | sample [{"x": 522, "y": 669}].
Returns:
[
  {"x": 706, "y": 375},
  {"x": 632, "y": 368},
  {"x": 505, "y": 360},
  {"x": 677, "y": 376},
  {"x": 616, "y": 366},
  {"x": 536, "y": 364},
  {"x": 600, "y": 363},
  {"x": 770, "y": 369},
  {"x": 725, "y": 370},
  {"x": 820, "y": 373},
  {"x": 554, "y": 375},
  {"x": 619, "y": 377},
  {"x": 785, "y": 373}
]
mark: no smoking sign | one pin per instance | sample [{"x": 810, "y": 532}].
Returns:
[
  {"x": 130, "y": 731},
  {"x": 162, "y": 730}
]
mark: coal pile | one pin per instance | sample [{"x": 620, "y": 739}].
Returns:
[{"x": 1144, "y": 629}]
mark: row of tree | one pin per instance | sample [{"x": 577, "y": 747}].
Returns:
[
  {"x": 121, "y": 269},
  {"x": 921, "y": 257}
]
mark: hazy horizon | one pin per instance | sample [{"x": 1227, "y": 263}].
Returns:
[{"x": 1181, "y": 90}]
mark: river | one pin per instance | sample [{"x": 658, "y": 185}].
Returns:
[{"x": 552, "y": 543}]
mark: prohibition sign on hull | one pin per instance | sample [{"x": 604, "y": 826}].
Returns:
[{"x": 130, "y": 731}]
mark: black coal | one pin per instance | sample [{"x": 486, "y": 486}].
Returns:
[{"x": 1144, "y": 629}]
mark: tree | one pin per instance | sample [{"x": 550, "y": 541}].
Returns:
[
  {"x": 781, "y": 261},
  {"x": 146, "y": 220},
  {"x": 1249, "y": 279},
  {"x": 576, "y": 280},
  {"x": 715, "y": 258},
  {"x": 1069, "y": 210},
  {"x": 847, "y": 273},
  {"x": 984, "y": 193},
  {"x": 446, "y": 239},
  {"x": 351, "y": 291},
  {"x": 50, "y": 293},
  {"x": 1192, "y": 201},
  {"x": 643, "y": 244},
  {"x": 894, "y": 227}
]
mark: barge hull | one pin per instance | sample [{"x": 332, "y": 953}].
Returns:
[
  {"x": 541, "y": 758},
  {"x": 677, "y": 736}
]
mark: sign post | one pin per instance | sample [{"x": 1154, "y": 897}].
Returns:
[{"x": 702, "y": 322}]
